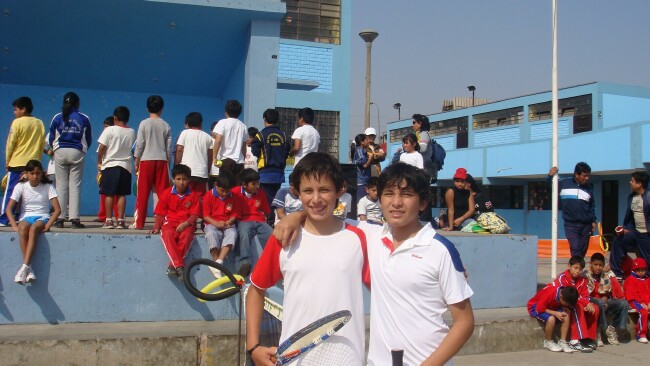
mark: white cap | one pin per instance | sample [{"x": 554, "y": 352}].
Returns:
[{"x": 370, "y": 131}]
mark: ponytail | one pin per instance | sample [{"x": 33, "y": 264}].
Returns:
[{"x": 70, "y": 102}]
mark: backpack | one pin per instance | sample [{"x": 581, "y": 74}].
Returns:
[{"x": 438, "y": 154}]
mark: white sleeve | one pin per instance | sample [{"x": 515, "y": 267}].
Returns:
[
  {"x": 453, "y": 283},
  {"x": 361, "y": 207},
  {"x": 181, "y": 139},
  {"x": 51, "y": 192},
  {"x": 420, "y": 161},
  {"x": 18, "y": 192},
  {"x": 297, "y": 134},
  {"x": 103, "y": 138},
  {"x": 220, "y": 128}
]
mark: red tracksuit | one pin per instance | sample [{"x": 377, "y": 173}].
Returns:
[
  {"x": 152, "y": 174},
  {"x": 253, "y": 208},
  {"x": 546, "y": 298},
  {"x": 172, "y": 210},
  {"x": 220, "y": 209},
  {"x": 637, "y": 292},
  {"x": 586, "y": 325}
]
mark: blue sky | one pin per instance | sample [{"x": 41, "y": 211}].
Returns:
[{"x": 430, "y": 50}]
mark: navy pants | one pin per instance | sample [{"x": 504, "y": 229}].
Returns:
[
  {"x": 626, "y": 243},
  {"x": 578, "y": 236}
]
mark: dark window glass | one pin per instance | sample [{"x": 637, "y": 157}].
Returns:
[
  {"x": 539, "y": 196},
  {"x": 504, "y": 117},
  {"x": 577, "y": 107},
  {"x": 326, "y": 122},
  {"x": 313, "y": 21}
]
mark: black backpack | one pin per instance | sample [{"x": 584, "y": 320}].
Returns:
[{"x": 438, "y": 154}]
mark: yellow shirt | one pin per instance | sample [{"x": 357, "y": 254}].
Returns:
[{"x": 25, "y": 142}]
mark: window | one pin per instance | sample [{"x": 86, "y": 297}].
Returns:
[
  {"x": 504, "y": 117},
  {"x": 577, "y": 107},
  {"x": 397, "y": 134},
  {"x": 502, "y": 197},
  {"x": 313, "y": 21},
  {"x": 326, "y": 122},
  {"x": 539, "y": 196}
]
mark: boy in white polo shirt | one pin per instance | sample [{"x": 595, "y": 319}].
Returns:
[
  {"x": 194, "y": 149},
  {"x": 327, "y": 260},
  {"x": 230, "y": 135},
  {"x": 305, "y": 138},
  {"x": 416, "y": 275}
]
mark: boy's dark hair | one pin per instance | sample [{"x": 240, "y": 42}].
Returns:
[
  {"x": 576, "y": 259},
  {"x": 425, "y": 125},
  {"x": 108, "y": 121},
  {"x": 641, "y": 177},
  {"x": 410, "y": 137},
  {"x": 400, "y": 172},
  {"x": 33, "y": 164},
  {"x": 212, "y": 126},
  {"x": 181, "y": 169},
  {"x": 70, "y": 101},
  {"x": 252, "y": 131},
  {"x": 597, "y": 257},
  {"x": 155, "y": 104},
  {"x": 225, "y": 180},
  {"x": 581, "y": 167},
  {"x": 122, "y": 114},
  {"x": 316, "y": 165},
  {"x": 357, "y": 143},
  {"x": 194, "y": 120},
  {"x": 24, "y": 102},
  {"x": 249, "y": 175},
  {"x": 233, "y": 108},
  {"x": 372, "y": 182},
  {"x": 569, "y": 295},
  {"x": 307, "y": 114},
  {"x": 271, "y": 116}
]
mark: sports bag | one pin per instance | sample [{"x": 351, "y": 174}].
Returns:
[
  {"x": 493, "y": 223},
  {"x": 438, "y": 154}
]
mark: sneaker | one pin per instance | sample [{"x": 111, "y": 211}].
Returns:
[
  {"x": 108, "y": 224},
  {"x": 244, "y": 270},
  {"x": 171, "y": 271},
  {"x": 76, "y": 224},
  {"x": 21, "y": 276},
  {"x": 552, "y": 346},
  {"x": 589, "y": 343},
  {"x": 59, "y": 224},
  {"x": 565, "y": 347},
  {"x": 121, "y": 224},
  {"x": 31, "y": 277},
  {"x": 2, "y": 224},
  {"x": 612, "y": 337},
  {"x": 643, "y": 340},
  {"x": 98, "y": 220},
  {"x": 215, "y": 272},
  {"x": 578, "y": 347},
  {"x": 599, "y": 341},
  {"x": 180, "y": 271}
]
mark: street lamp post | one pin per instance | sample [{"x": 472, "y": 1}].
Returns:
[
  {"x": 398, "y": 106},
  {"x": 368, "y": 35},
  {"x": 472, "y": 88},
  {"x": 378, "y": 121}
]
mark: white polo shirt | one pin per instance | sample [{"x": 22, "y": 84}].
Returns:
[
  {"x": 309, "y": 140},
  {"x": 118, "y": 141},
  {"x": 233, "y": 134},
  {"x": 196, "y": 144},
  {"x": 322, "y": 275},
  {"x": 411, "y": 290}
]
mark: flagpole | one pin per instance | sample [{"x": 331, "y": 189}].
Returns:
[{"x": 554, "y": 109}]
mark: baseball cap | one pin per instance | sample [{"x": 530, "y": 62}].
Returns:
[
  {"x": 461, "y": 173},
  {"x": 370, "y": 131},
  {"x": 639, "y": 263}
]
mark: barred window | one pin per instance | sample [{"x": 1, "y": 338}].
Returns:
[
  {"x": 577, "y": 107},
  {"x": 504, "y": 117},
  {"x": 313, "y": 21},
  {"x": 326, "y": 122}
]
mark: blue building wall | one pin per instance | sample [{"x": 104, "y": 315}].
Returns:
[{"x": 518, "y": 154}]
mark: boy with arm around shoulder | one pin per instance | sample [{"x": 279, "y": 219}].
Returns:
[
  {"x": 176, "y": 213},
  {"x": 552, "y": 304}
]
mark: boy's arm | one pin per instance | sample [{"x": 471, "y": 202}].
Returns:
[
  {"x": 217, "y": 146},
  {"x": 462, "y": 329},
  {"x": 254, "y": 306},
  {"x": 297, "y": 144},
  {"x": 279, "y": 212},
  {"x": 256, "y": 145},
  {"x": 286, "y": 231},
  {"x": 178, "y": 156},
  {"x": 101, "y": 152},
  {"x": 362, "y": 217}
]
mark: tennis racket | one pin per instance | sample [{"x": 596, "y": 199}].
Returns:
[
  {"x": 398, "y": 357},
  {"x": 310, "y": 337},
  {"x": 215, "y": 290}
]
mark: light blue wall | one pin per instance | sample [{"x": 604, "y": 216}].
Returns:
[
  {"x": 98, "y": 104},
  {"x": 303, "y": 62},
  {"x": 621, "y": 110}
]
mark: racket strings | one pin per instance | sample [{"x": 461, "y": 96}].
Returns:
[
  {"x": 329, "y": 353},
  {"x": 314, "y": 336}
]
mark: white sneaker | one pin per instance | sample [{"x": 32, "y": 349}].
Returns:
[
  {"x": 612, "y": 337},
  {"x": 565, "y": 347},
  {"x": 643, "y": 340},
  {"x": 31, "y": 277},
  {"x": 552, "y": 346},
  {"x": 599, "y": 341},
  {"x": 21, "y": 276},
  {"x": 215, "y": 272}
]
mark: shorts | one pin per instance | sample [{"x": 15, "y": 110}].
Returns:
[
  {"x": 116, "y": 181},
  {"x": 541, "y": 316},
  {"x": 216, "y": 237},
  {"x": 32, "y": 219}
]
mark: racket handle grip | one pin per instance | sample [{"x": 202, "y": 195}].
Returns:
[{"x": 398, "y": 357}]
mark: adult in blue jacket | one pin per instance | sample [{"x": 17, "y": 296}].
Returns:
[
  {"x": 70, "y": 137},
  {"x": 271, "y": 146},
  {"x": 578, "y": 207},
  {"x": 635, "y": 224}
]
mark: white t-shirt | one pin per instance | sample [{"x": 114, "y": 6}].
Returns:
[
  {"x": 34, "y": 201},
  {"x": 344, "y": 206},
  {"x": 309, "y": 140},
  {"x": 118, "y": 141},
  {"x": 371, "y": 209},
  {"x": 196, "y": 144},
  {"x": 411, "y": 290},
  {"x": 285, "y": 200},
  {"x": 250, "y": 160},
  {"x": 322, "y": 275},
  {"x": 414, "y": 158},
  {"x": 233, "y": 134}
]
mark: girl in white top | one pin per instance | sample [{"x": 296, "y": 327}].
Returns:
[
  {"x": 35, "y": 195},
  {"x": 411, "y": 153}
]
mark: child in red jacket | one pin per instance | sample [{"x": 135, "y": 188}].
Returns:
[
  {"x": 583, "y": 331},
  {"x": 552, "y": 304},
  {"x": 637, "y": 293},
  {"x": 176, "y": 213}
]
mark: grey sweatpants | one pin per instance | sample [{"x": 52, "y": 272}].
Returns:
[{"x": 69, "y": 171}]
